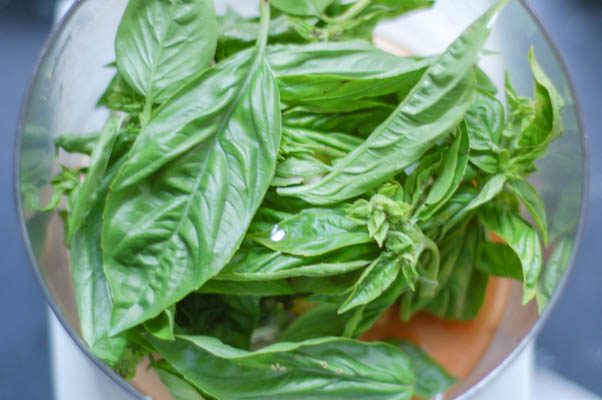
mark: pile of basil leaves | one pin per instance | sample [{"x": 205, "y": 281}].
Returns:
[{"x": 265, "y": 188}]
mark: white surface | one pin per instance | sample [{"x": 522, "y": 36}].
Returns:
[
  {"x": 551, "y": 386},
  {"x": 74, "y": 376}
]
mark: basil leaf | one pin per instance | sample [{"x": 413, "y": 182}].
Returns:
[
  {"x": 520, "y": 112},
  {"x": 256, "y": 264},
  {"x": 63, "y": 184},
  {"x": 119, "y": 96},
  {"x": 450, "y": 175},
  {"x": 327, "y": 368},
  {"x": 161, "y": 44},
  {"x": 237, "y": 33},
  {"x": 178, "y": 387},
  {"x": 499, "y": 259},
  {"x": 490, "y": 189},
  {"x": 303, "y": 8},
  {"x": 334, "y": 285},
  {"x": 330, "y": 145},
  {"x": 365, "y": 316},
  {"x": 485, "y": 122},
  {"x": 427, "y": 114},
  {"x": 295, "y": 170},
  {"x": 547, "y": 122},
  {"x": 77, "y": 143},
  {"x": 358, "y": 19},
  {"x": 522, "y": 239},
  {"x": 484, "y": 83},
  {"x": 463, "y": 294},
  {"x": 92, "y": 294},
  {"x": 313, "y": 232},
  {"x": 162, "y": 326},
  {"x": 554, "y": 272},
  {"x": 90, "y": 189},
  {"x": 247, "y": 288},
  {"x": 321, "y": 321},
  {"x": 528, "y": 195},
  {"x": 544, "y": 125},
  {"x": 192, "y": 182},
  {"x": 449, "y": 250},
  {"x": 231, "y": 319},
  {"x": 360, "y": 123},
  {"x": 375, "y": 279},
  {"x": 431, "y": 379},
  {"x": 318, "y": 74}
]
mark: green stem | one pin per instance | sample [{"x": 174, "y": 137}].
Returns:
[
  {"x": 350, "y": 13},
  {"x": 146, "y": 112},
  {"x": 264, "y": 25}
]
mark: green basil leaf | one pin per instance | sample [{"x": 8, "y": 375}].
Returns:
[
  {"x": 554, "y": 272},
  {"x": 162, "y": 326},
  {"x": 463, "y": 196},
  {"x": 334, "y": 285},
  {"x": 327, "y": 368},
  {"x": 486, "y": 161},
  {"x": 544, "y": 125},
  {"x": 522, "y": 239},
  {"x": 303, "y": 8},
  {"x": 520, "y": 112},
  {"x": 318, "y": 74},
  {"x": 90, "y": 189},
  {"x": 119, "y": 96},
  {"x": 237, "y": 33},
  {"x": 64, "y": 183},
  {"x": 342, "y": 105},
  {"x": 321, "y": 321},
  {"x": 92, "y": 294},
  {"x": 427, "y": 114},
  {"x": 77, "y": 143},
  {"x": 162, "y": 44},
  {"x": 547, "y": 123},
  {"x": 528, "y": 195},
  {"x": 231, "y": 319},
  {"x": 431, "y": 379},
  {"x": 485, "y": 122},
  {"x": 364, "y": 317},
  {"x": 490, "y": 189},
  {"x": 463, "y": 294},
  {"x": 192, "y": 182},
  {"x": 449, "y": 250},
  {"x": 360, "y": 123},
  {"x": 358, "y": 19},
  {"x": 331, "y": 145},
  {"x": 178, "y": 387},
  {"x": 499, "y": 259},
  {"x": 257, "y": 264},
  {"x": 449, "y": 176},
  {"x": 375, "y": 279},
  {"x": 313, "y": 232},
  {"x": 295, "y": 170},
  {"x": 248, "y": 288},
  {"x": 484, "y": 83}
]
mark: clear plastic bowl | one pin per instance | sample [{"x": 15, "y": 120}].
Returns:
[{"x": 72, "y": 74}]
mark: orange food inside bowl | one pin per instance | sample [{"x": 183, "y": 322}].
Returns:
[{"x": 458, "y": 346}]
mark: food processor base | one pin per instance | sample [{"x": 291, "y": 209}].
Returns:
[{"x": 75, "y": 377}]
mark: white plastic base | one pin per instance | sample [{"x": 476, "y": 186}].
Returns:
[{"x": 76, "y": 378}]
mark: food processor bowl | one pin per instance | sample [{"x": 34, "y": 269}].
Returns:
[{"x": 73, "y": 72}]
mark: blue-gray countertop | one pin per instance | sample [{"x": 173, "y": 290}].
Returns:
[{"x": 571, "y": 342}]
